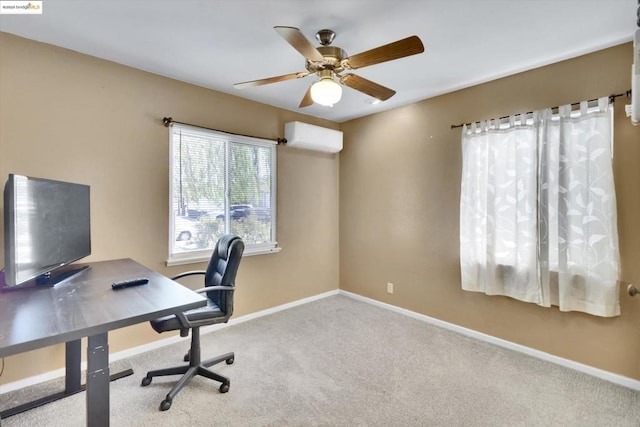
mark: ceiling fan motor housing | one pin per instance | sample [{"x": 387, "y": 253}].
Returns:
[{"x": 333, "y": 60}]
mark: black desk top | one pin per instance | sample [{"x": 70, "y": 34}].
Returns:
[{"x": 85, "y": 305}]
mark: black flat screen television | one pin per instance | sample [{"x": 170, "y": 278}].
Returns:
[{"x": 46, "y": 228}]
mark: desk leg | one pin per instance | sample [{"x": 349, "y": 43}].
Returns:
[
  {"x": 98, "y": 381},
  {"x": 72, "y": 381},
  {"x": 72, "y": 367}
]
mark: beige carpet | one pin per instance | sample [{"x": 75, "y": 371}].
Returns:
[{"x": 342, "y": 362}]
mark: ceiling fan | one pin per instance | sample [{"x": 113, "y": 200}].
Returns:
[{"x": 328, "y": 62}]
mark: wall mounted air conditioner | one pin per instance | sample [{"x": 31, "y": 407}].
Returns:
[
  {"x": 633, "y": 110},
  {"x": 304, "y": 135}
]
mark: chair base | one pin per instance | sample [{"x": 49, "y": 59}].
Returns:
[{"x": 195, "y": 367}]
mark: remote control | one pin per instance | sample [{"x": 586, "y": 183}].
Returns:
[{"x": 128, "y": 283}]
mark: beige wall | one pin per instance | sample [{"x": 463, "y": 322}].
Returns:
[
  {"x": 399, "y": 211},
  {"x": 68, "y": 116}
]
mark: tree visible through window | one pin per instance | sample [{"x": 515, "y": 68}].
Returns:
[{"x": 220, "y": 183}]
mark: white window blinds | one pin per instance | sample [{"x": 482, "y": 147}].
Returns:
[{"x": 220, "y": 183}]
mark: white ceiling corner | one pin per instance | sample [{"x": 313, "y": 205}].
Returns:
[{"x": 215, "y": 44}]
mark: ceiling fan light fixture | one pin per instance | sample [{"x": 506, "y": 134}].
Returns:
[
  {"x": 329, "y": 62},
  {"x": 326, "y": 91}
]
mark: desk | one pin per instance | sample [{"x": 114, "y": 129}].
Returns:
[{"x": 86, "y": 306}]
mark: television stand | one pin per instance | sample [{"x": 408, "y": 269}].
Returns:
[{"x": 46, "y": 280}]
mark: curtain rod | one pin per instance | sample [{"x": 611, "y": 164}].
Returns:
[
  {"x": 168, "y": 121},
  {"x": 611, "y": 99}
]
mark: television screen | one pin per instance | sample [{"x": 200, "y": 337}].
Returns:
[{"x": 46, "y": 226}]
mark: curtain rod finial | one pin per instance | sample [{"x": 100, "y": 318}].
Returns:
[{"x": 167, "y": 121}]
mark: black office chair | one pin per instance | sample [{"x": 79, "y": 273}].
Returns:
[{"x": 219, "y": 279}]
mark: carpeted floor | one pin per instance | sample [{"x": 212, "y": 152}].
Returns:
[{"x": 342, "y": 362}]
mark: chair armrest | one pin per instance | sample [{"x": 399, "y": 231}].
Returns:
[
  {"x": 189, "y": 324},
  {"x": 188, "y": 273},
  {"x": 182, "y": 319},
  {"x": 186, "y": 325},
  {"x": 215, "y": 288}
]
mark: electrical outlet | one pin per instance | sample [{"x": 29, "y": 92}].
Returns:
[{"x": 389, "y": 288}]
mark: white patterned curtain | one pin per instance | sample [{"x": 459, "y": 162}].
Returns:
[{"x": 538, "y": 210}]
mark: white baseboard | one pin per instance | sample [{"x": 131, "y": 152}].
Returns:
[
  {"x": 36, "y": 379},
  {"x": 595, "y": 372},
  {"x": 124, "y": 354},
  {"x": 206, "y": 329}
]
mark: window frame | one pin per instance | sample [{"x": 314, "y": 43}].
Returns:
[{"x": 203, "y": 255}]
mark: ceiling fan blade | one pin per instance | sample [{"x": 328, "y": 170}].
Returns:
[
  {"x": 306, "y": 100},
  {"x": 300, "y": 43},
  {"x": 396, "y": 50},
  {"x": 266, "y": 81},
  {"x": 367, "y": 86}
]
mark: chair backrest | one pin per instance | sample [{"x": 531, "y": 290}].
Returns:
[{"x": 222, "y": 270}]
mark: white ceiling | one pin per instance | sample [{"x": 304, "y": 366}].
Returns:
[{"x": 215, "y": 43}]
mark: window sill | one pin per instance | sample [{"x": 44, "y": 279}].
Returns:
[{"x": 205, "y": 258}]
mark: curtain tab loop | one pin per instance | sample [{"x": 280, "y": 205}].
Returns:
[
  {"x": 603, "y": 103},
  {"x": 564, "y": 110},
  {"x": 584, "y": 106}
]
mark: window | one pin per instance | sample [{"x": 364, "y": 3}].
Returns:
[
  {"x": 538, "y": 210},
  {"x": 219, "y": 183}
]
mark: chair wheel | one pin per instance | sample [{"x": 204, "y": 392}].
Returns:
[
  {"x": 187, "y": 356},
  {"x": 230, "y": 361},
  {"x": 224, "y": 388},
  {"x": 146, "y": 381},
  {"x": 165, "y": 405}
]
